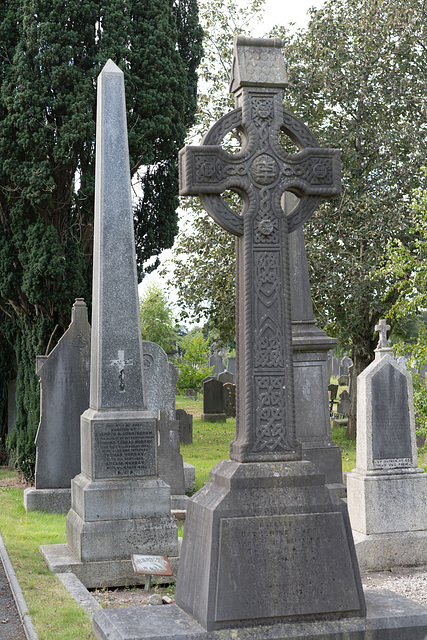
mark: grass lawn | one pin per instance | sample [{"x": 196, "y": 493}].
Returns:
[{"x": 23, "y": 534}]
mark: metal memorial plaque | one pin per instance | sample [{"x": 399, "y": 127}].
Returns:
[
  {"x": 391, "y": 428},
  {"x": 151, "y": 565},
  {"x": 125, "y": 449}
]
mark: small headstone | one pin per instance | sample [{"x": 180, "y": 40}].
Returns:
[
  {"x": 64, "y": 376},
  {"x": 169, "y": 459},
  {"x": 344, "y": 403},
  {"x": 160, "y": 378},
  {"x": 346, "y": 362},
  {"x": 387, "y": 492},
  {"x": 229, "y": 390},
  {"x": 185, "y": 426},
  {"x": 225, "y": 376},
  {"x": 231, "y": 365},
  {"x": 213, "y": 401},
  {"x": 190, "y": 393},
  {"x": 343, "y": 381},
  {"x": 206, "y": 379}
]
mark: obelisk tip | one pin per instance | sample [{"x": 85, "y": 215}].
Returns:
[{"x": 111, "y": 67}]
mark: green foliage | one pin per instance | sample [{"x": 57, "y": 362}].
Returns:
[
  {"x": 417, "y": 359},
  {"x": 157, "y": 324},
  {"x": 357, "y": 78},
  {"x": 53, "y": 610},
  {"x": 51, "y": 55},
  {"x": 193, "y": 368}
]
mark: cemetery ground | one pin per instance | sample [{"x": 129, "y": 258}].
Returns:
[{"x": 56, "y": 615}]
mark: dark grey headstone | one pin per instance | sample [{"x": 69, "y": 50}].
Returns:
[
  {"x": 185, "y": 426},
  {"x": 213, "y": 400},
  {"x": 229, "y": 391},
  {"x": 64, "y": 376},
  {"x": 390, "y": 415},
  {"x": 119, "y": 505},
  {"x": 170, "y": 463},
  {"x": 343, "y": 381}
]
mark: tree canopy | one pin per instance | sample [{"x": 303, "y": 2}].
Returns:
[
  {"x": 157, "y": 321},
  {"x": 51, "y": 55}
]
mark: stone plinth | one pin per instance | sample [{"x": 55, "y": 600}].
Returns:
[{"x": 262, "y": 530}]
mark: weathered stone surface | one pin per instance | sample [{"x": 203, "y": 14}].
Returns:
[
  {"x": 387, "y": 492},
  {"x": 229, "y": 393},
  {"x": 389, "y": 617},
  {"x": 94, "y": 575},
  {"x": 64, "y": 376},
  {"x": 185, "y": 426},
  {"x": 311, "y": 347},
  {"x": 225, "y": 376},
  {"x": 257, "y": 527},
  {"x": 119, "y": 505},
  {"x": 170, "y": 463},
  {"x": 265, "y": 453},
  {"x": 189, "y": 477},
  {"x": 160, "y": 378},
  {"x": 48, "y": 500}
]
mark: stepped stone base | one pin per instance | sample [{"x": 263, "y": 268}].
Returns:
[
  {"x": 47, "y": 500},
  {"x": 383, "y": 551},
  {"x": 267, "y": 542},
  {"x": 389, "y": 617},
  {"x": 95, "y": 575}
]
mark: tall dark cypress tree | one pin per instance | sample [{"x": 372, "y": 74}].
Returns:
[{"x": 51, "y": 54}]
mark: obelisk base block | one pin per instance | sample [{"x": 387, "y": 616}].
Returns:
[
  {"x": 96, "y": 575},
  {"x": 264, "y": 543}
]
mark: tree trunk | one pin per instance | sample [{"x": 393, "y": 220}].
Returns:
[{"x": 359, "y": 364}]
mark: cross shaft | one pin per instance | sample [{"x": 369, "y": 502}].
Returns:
[{"x": 260, "y": 173}]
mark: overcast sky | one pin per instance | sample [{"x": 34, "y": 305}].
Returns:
[{"x": 282, "y": 12}]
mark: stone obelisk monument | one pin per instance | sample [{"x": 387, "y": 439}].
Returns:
[{"x": 119, "y": 505}]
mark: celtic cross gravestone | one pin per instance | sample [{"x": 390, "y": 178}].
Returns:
[
  {"x": 248, "y": 534},
  {"x": 261, "y": 172}
]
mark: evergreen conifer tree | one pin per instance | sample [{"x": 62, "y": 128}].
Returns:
[{"x": 51, "y": 55}]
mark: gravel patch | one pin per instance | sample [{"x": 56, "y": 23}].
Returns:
[{"x": 408, "y": 582}]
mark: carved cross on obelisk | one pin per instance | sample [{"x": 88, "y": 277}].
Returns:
[{"x": 260, "y": 173}]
